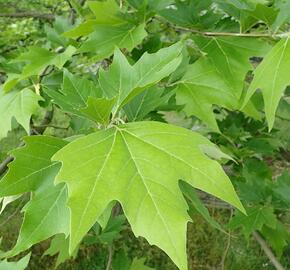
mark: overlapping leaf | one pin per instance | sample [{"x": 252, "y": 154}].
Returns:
[
  {"x": 19, "y": 105},
  {"x": 46, "y": 213},
  {"x": 218, "y": 78},
  {"x": 139, "y": 165}
]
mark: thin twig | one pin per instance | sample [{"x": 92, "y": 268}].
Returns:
[
  {"x": 213, "y": 34},
  {"x": 268, "y": 251}
]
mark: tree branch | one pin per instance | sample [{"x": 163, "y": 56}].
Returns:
[
  {"x": 223, "y": 34},
  {"x": 268, "y": 251},
  {"x": 28, "y": 14}
]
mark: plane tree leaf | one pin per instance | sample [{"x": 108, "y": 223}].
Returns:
[
  {"x": 60, "y": 246},
  {"x": 200, "y": 88},
  {"x": 256, "y": 218},
  {"x": 125, "y": 81},
  {"x": 231, "y": 57},
  {"x": 188, "y": 13},
  {"x": 104, "y": 39},
  {"x": 19, "y": 105},
  {"x": 271, "y": 77},
  {"x": 139, "y": 164},
  {"x": 147, "y": 101},
  {"x": 32, "y": 170},
  {"x": 108, "y": 30},
  {"x": 99, "y": 109}
]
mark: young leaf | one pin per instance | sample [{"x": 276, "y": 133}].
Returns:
[
  {"x": 257, "y": 217},
  {"x": 124, "y": 81},
  {"x": 139, "y": 165},
  {"x": 46, "y": 213},
  {"x": 271, "y": 76},
  {"x": 18, "y": 104}
]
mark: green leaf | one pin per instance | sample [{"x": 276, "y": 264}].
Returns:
[
  {"x": 200, "y": 88},
  {"x": 19, "y": 265},
  {"x": 60, "y": 245},
  {"x": 81, "y": 97},
  {"x": 231, "y": 57},
  {"x": 99, "y": 109},
  {"x": 105, "y": 38},
  {"x": 257, "y": 217},
  {"x": 108, "y": 30},
  {"x": 191, "y": 14},
  {"x": 106, "y": 12},
  {"x": 283, "y": 15},
  {"x": 46, "y": 213},
  {"x": 23, "y": 174},
  {"x": 19, "y": 105},
  {"x": 112, "y": 229},
  {"x": 139, "y": 165},
  {"x": 36, "y": 59},
  {"x": 124, "y": 81},
  {"x": 278, "y": 237},
  {"x": 144, "y": 103},
  {"x": 271, "y": 76}
]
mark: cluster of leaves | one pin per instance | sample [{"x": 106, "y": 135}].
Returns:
[{"x": 204, "y": 60}]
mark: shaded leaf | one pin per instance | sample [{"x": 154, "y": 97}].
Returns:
[{"x": 256, "y": 218}]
